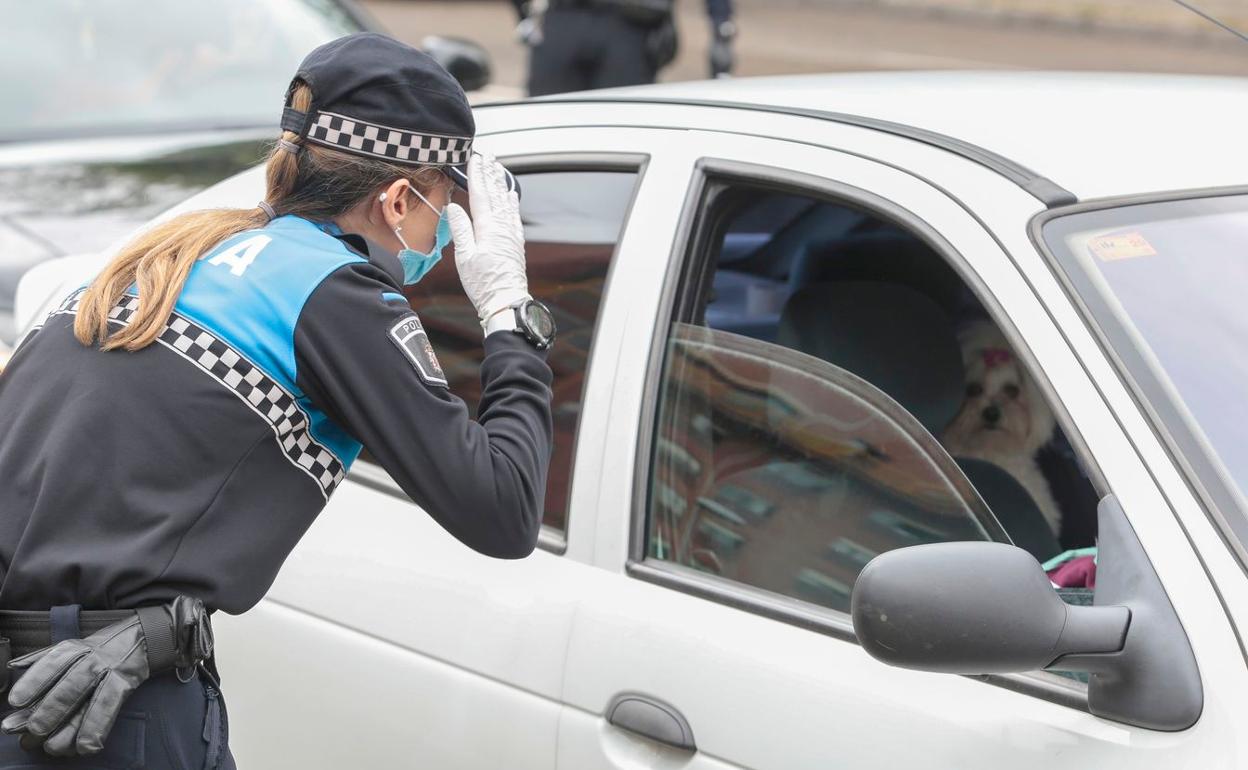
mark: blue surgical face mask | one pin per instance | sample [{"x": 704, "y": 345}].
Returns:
[{"x": 417, "y": 264}]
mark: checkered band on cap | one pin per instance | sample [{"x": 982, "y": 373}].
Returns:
[
  {"x": 334, "y": 130},
  {"x": 264, "y": 395}
]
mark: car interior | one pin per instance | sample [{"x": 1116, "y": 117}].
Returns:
[{"x": 869, "y": 297}]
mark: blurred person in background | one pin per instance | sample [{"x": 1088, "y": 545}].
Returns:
[{"x": 577, "y": 45}]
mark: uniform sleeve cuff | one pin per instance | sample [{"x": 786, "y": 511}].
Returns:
[{"x": 504, "y": 340}]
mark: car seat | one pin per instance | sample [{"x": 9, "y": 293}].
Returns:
[
  {"x": 904, "y": 343},
  {"x": 890, "y": 335},
  {"x": 1013, "y": 506}
]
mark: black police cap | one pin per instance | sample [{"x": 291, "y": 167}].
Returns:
[{"x": 377, "y": 97}]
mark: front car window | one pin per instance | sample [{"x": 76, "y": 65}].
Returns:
[
  {"x": 833, "y": 389},
  {"x": 1165, "y": 282}
]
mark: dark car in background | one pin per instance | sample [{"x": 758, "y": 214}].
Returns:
[{"x": 115, "y": 110}]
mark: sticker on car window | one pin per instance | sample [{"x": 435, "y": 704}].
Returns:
[
  {"x": 410, "y": 337},
  {"x": 1115, "y": 246}
]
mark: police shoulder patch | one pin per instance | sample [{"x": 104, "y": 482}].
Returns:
[{"x": 410, "y": 337}]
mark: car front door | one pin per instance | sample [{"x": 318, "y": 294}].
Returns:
[
  {"x": 715, "y": 633},
  {"x": 384, "y": 642}
]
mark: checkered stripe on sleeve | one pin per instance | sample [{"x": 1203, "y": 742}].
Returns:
[
  {"x": 71, "y": 300},
  {"x": 264, "y": 395},
  {"x": 364, "y": 138}
]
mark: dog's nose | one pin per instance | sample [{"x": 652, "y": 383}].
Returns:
[{"x": 992, "y": 414}]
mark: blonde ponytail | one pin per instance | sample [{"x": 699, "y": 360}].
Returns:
[
  {"x": 157, "y": 263},
  {"x": 307, "y": 180}
]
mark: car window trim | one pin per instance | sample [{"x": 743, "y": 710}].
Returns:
[
  {"x": 693, "y": 232},
  {"x": 811, "y": 617},
  {"x": 549, "y": 539},
  {"x": 1037, "y": 185}
]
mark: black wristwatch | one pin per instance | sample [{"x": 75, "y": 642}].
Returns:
[{"x": 528, "y": 318}]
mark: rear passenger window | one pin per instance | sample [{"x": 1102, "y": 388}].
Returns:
[
  {"x": 832, "y": 390},
  {"x": 572, "y": 222}
]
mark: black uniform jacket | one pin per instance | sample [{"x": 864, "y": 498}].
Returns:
[{"x": 195, "y": 464}]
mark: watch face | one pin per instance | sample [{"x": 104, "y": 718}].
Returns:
[{"x": 539, "y": 320}]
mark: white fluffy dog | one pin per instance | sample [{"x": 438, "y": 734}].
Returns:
[{"x": 1004, "y": 418}]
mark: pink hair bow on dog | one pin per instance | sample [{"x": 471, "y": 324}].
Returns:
[{"x": 994, "y": 357}]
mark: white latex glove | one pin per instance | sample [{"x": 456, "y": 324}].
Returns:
[{"x": 489, "y": 248}]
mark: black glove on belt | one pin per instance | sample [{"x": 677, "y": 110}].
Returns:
[{"x": 72, "y": 691}]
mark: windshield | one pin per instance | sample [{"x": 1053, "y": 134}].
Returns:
[
  {"x": 82, "y": 67},
  {"x": 1167, "y": 283}
]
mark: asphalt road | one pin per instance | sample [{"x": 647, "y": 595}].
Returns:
[{"x": 779, "y": 36}]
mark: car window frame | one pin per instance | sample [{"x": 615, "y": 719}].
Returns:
[
  {"x": 681, "y": 286},
  {"x": 549, "y": 539}
]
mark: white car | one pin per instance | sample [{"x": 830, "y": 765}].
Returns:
[{"x": 759, "y": 286}]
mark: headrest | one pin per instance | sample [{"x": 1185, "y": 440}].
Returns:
[
  {"x": 887, "y": 254},
  {"x": 890, "y": 335}
]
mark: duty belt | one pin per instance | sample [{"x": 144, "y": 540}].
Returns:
[{"x": 24, "y": 631}]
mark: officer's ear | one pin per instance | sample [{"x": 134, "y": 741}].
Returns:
[{"x": 394, "y": 203}]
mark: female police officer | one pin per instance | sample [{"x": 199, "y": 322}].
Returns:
[{"x": 172, "y": 429}]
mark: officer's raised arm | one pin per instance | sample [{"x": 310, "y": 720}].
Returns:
[{"x": 362, "y": 355}]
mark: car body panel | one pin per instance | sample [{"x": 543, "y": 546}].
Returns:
[
  {"x": 479, "y": 645},
  {"x": 316, "y": 701},
  {"x": 1074, "y": 128}
]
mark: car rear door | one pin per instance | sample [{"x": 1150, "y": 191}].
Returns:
[{"x": 677, "y": 667}]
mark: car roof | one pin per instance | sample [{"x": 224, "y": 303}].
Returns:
[{"x": 1095, "y": 134}]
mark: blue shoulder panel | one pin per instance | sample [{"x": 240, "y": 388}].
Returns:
[{"x": 250, "y": 290}]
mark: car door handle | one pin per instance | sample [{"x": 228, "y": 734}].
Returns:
[{"x": 650, "y": 717}]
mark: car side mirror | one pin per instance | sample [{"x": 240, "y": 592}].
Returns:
[
  {"x": 974, "y": 608},
  {"x": 465, "y": 60},
  {"x": 988, "y": 608}
]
